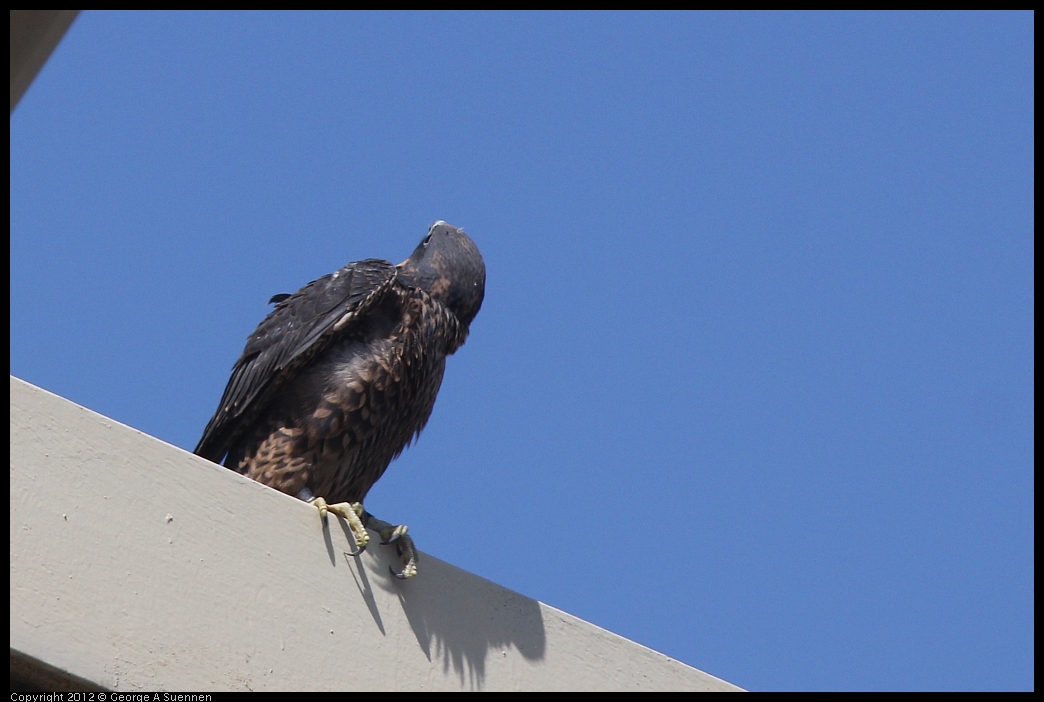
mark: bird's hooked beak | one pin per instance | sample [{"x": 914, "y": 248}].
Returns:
[{"x": 424, "y": 242}]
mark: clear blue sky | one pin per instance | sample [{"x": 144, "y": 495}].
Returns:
[{"x": 753, "y": 380}]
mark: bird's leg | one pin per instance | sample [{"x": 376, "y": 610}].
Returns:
[
  {"x": 392, "y": 534},
  {"x": 352, "y": 513}
]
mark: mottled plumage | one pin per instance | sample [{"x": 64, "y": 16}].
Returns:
[{"x": 343, "y": 374}]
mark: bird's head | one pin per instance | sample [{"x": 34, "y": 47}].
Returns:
[{"x": 448, "y": 266}]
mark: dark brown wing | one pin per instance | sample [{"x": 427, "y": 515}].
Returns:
[{"x": 299, "y": 328}]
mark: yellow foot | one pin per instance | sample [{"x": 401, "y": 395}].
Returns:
[
  {"x": 352, "y": 513},
  {"x": 391, "y": 534}
]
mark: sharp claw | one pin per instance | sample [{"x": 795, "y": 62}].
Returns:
[
  {"x": 394, "y": 535},
  {"x": 357, "y": 553}
]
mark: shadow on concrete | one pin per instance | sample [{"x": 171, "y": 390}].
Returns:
[
  {"x": 362, "y": 580},
  {"x": 461, "y": 619},
  {"x": 456, "y": 616}
]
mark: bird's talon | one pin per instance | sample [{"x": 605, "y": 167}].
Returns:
[
  {"x": 397, "y": 533},
  {"x": 320, "y": 504},
  {"x": 408, "y": 573}
]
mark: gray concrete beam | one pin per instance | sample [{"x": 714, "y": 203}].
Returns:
[{"x": 136, "y": 565}]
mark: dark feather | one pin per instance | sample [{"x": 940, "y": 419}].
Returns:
[
  {"x": 344, "y": 373},
  {"x": 293, "y": 333}
]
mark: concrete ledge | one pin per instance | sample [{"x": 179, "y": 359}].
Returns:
[{"x": 138, "y": 566}]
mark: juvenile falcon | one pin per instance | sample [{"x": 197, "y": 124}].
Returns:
[{"x": 342, "y": 375}]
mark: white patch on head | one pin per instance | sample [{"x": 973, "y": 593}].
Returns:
[{"x": 435, "y": 225}]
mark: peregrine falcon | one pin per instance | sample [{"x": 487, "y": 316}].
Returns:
[{"x": 342, "y": 375}]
